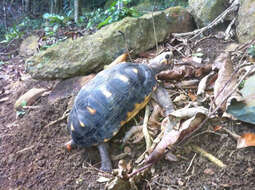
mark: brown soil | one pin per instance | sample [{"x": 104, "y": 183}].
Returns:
[{"x": 32, "y": 157}]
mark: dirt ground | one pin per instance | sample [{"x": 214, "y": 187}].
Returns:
[{"x": 32, "y": 157}]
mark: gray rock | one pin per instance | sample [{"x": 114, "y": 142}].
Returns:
[
  {"x": 205, "y": 11},
  {"x": 246, "y": 21},
  {"x": 90, "y": 53}
]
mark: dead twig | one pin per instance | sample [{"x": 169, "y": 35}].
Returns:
[
  {"x": 191, "y": 162},
  {"x": 212, "y": 158},
  {"x": 25, "y": 149},
  {"x": 145, "y": 129},
  {"x": 234, "y": 135},
  {"x": 64, "y": 116},
  {"x": 233, "y": 7}
]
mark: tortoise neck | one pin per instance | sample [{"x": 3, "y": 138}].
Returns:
[{"x": 156, "y": 68}]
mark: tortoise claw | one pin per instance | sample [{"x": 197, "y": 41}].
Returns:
[
  {"x": 106, "y": 164},
  {"x": 70, "y": 145}
]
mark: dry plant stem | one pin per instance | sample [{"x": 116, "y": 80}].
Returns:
[
  {"x": 145, "y": 129},
  {"x": 64, "y": 116},
  {"x": 235, "y": 136},
  {"x": 215, "y": 22},
  {"x": 25, "y": 149},
  {"x": 154, "y": 144},
  {"x": 212, "y": 158},
  {"x": 154, "y": 29},
  {"x": 227, "y": 32},
  {"x": 191, "y": 162}
]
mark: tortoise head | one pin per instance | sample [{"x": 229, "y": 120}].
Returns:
[{"x": 161, "y": 62}]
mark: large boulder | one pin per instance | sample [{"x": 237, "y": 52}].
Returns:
[
  {"x": 246, "y": 21},
  {"x": 205, "y": 11},
  {"x": 90, "y": 53}
]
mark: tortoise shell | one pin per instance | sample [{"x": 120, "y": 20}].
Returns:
[{"x": 108, "y": 101}]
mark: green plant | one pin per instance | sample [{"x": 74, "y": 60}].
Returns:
[
  {"x": 1, "y": 63},
  {"x": 100, "y": 17},
  {"x": 53, "y": 22},
  {"x": 18, "y": 30},
  {"x": 241, "y": 84},
  {"x": 251, "y": 51},
  {"x": 114, "y": 13},
  {"x": 12, "y": 33}
]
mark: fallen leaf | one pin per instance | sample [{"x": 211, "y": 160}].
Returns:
[
  {"x": 179, "y": 98},
  {"x": 203, "y": 84},
  {"x": 188, "y": 84},
  {"x": 243, "y": 107},
  {"x": 174, "y": 134},
  {"x": 189, "y": 112},
  {"x": 170, "y": 75},
  {"x": 217, "y": 128},
  {"x": 103, "y": 179},
  {"x": 247, "y": 139},
  {"x": 192, "y": 96},
  {"x": 221, "y": 88},
  {"x": 29, "y": 97}
]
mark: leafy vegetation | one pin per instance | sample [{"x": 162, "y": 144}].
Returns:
[
  {"x": 18, "y": 30},
  {"x": 95, "y": 19}
]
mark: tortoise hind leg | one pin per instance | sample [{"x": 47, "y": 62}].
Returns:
[{"x": 106, "y": 164}]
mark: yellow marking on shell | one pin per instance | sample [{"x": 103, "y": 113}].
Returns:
[
  {"x": 72, "y": 128},
  {"x": 82, "y": 124},
  {"x": 115, "y": 132},
  {"x": 106, "y": 92},
  {"x": 136, "y": 110},
  {"x": 155, "y": 87},
  {"x": 122, "y": 123},
  {"x": 123, "y": 78},
  {"x": 135, "y": 70},
  {"x": 91, "y": 110},
  {"x": 105, "y": 140}
]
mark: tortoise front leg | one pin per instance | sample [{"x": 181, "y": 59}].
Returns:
[
  {"x": 162, "y": 97},
  {"x": 106, "y": 164}
]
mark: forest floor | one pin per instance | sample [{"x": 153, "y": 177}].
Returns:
[{"x": 32, "y": 157}]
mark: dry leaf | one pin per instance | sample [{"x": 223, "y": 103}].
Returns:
[
  {"x": 179, "y": 98},
  {"x": 221, "y": 90},
  {"x": 103, "y": 179},
  {"x": 217, "y": 128},
  {"x": 247, "y": 139},
  {"x": 188, "y": 84},
  {"x": 203, "y": 84},
  {"x": 174, "y": 134},
  {"x": 192, "y": 96},
  {"x": 189, "y": 112},
  {"x": 170, "y": 75},
  {"x": 29, "y": 97}
]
